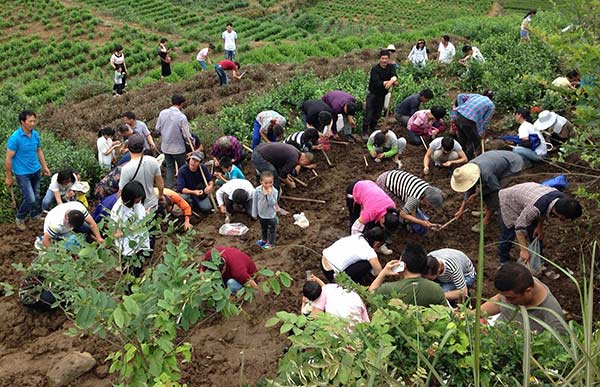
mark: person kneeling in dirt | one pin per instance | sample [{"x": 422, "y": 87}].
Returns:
[
  {"x": 237, "y": 268},
  {"x": 194, "y": 183},
  {"x": 176, "y": 205},
  {"x": 413, "y": 289},
  {"x": 445, "y": 152},
  {"x": 517, "y": 287},
  {"x": 453, "y": 270},
  {"x": 333, "y": 299},
  {"x": 354, "y": 255},
  {"x": 425, "y": 124},
  {"x": 369, "y": 206},
  {"x": 305, "y": 140},
  {"x": 283, "y": 160},
  {"x": 411, "y": 191},
  {"x": 557, "y": 127},
  {"x": 523, "y": 210},
  {"x": 383, "y": 144},
  {"x": 67, "y": 217},
  {"x": 235, "y": 196},
  {"x": 410, "y": 105},
  {"x": 228, "y": 147},
  {"x": 491, "y": 167}
]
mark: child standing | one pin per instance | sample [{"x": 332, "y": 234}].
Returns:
[
  {"x": 119, "y": 81},
  {"x": 265, "y": 208}
]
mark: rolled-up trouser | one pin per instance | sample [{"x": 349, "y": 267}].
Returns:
[
  {"x": 468, "y": 136},
  {"x": 261, "y": 165}
]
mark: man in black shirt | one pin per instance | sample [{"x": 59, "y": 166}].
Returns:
[
  {"x": 318, "y": 114},
  {"x": 282, "y": 160},
  {"x": 381, "y": 80}
]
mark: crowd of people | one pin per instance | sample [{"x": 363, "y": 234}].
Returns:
[{"x": 198, "y": 183}]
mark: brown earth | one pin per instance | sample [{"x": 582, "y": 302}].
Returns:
[{"x": 237, "y": 350}]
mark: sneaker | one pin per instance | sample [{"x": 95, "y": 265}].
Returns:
[
  {"x": 476, "y": 213},
  {"x": 21, "y": 224},
  {"x": 399, "y": 164},
  {"x": 385, "y": 251},
  {"x": 38, "y": 244},
  {"x": 267, "y": 246},
  {"x": 475, "y": 228},
  {"x": 377, "y": 160},
  {"x": 227, "y": 219},
  {"x": 350, "y": 138},
  {"x": 261, "y": 243}
]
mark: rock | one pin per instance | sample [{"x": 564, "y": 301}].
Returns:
[
  {"x": 101, "y": 371},
  {"x": 70, "y": 368}
]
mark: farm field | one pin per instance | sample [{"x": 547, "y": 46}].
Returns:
[{"x": 292, "y": 51}]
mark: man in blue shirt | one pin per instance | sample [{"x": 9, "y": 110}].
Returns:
[
  {"x": 24, "y": 157},
  {"x": 194, "y": 183}
]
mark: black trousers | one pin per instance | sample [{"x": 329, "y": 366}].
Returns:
[
  {"x": 372, "y": 112},
  {"x": 359, "y": 272},
  {"x": 353, "y": 208},
  {"x": 268, "y": 230},
  {"x": 468, "y": 136},
  {"x": 232, "y": 208}
]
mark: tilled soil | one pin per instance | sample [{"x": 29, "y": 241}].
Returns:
[{"x": 240, "y": 349}]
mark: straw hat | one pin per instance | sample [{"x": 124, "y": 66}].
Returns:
[
  {"x": 81, "y": 186},
  {"x": 391, "y": 47},
  {"x": 465, "y": 177},
  {"x": 545, "y": 120}
]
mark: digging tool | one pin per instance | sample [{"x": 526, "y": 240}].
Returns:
[
  {"x": 327, "y": 158},
  {"x": 423, "y": 142},
  {"x": 299, "y": 181},
  {"x": 314, "y": 173},
  {"x": 448, "y": 223},
  {"x": 304, "y": 199},
  {"x": 339, "y": 142},
  {"x": 366, "y": 162},
  {"x": 482, "y": 145},
  {"x": 246, "y": 147},
  {"x": 210, "y": 195}
]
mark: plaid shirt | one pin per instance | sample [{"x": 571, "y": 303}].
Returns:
[
  {"x": 476, "y": 108},
  {"x": 517, "y": 205}
]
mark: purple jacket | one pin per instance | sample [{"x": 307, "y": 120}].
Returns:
[{"x": 336, "y": 100}]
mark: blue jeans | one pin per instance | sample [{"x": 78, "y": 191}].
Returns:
[
  {"x": 124, "y": 159},
  {"x": 449, "y": 286},
  {"x": 413, "y": 138},
  {"x": 233, "y": 285},
  {"x": 202, "y": 204},
  {"x": 30, "y": 188},
  {"x": 202, "y": 64},
  {"x": 230, "y": 54},
  {"x": 528, "y": 154},
  {"x": 507, "y": 238},
  {"x": 222, "y": 75},
  {"x": 48, "y": 200}
]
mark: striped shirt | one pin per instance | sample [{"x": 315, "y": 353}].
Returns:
[
  {"x": 517, "y": 204},
  {"x": 297, "y": 139},
  {"x": 54, "y": 224},
  {"x": 457, "y": 266},
  {"x": 407, "y": 187},
  {"x": 476, "y": 108}
]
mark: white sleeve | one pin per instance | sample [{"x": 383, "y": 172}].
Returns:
[
  {"x": 220, "y": 193},
  {"x": 54, "y": 183}
]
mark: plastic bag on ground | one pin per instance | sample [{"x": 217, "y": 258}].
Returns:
[
  {"x": 301, "y": 220},
  {"x": 234, "y": 229}
]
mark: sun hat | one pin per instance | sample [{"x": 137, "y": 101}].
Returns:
[
  {"x": 391, "y": 47},
  {"x": 81, "y": 186},
  {"x": 465, "y": 177},
  {"x": 545, "y": 120}
]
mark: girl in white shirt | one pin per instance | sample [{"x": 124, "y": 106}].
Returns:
[
  {"x": 527, "y": 132},
  {"x": 106, "y": 148},
  {"x": 524, "y": 32},
  {"x": 129, "y": 212},
  {"x": 418, "y": 54}
]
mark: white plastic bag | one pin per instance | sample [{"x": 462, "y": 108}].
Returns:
[
  {"x": 301, "y": 220},
  {"x": 235, "y": 229},
  {"x": 535, "y": 261},
  {"x": 387, "y": 100}
]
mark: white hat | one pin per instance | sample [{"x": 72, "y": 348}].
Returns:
[
  {"x": 545, "y": 120},
  {"x": 81, "y": 186},
  {"x": 465, "y": 177},
  {"x": 391, "y": 47}
]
